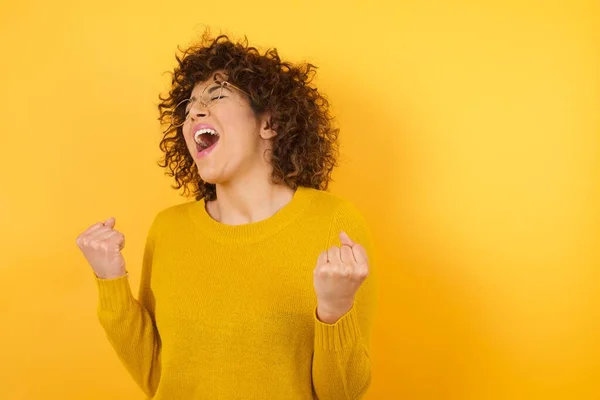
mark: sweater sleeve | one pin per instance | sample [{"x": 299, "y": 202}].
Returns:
[
  {"x": 129, "y": 323},
  {"x": 341, "y": 363}
]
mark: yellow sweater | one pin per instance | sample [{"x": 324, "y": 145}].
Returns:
[{"x": 228, "y": 312}]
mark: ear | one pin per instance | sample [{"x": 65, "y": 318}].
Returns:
[{"x": 266, "y": 132}]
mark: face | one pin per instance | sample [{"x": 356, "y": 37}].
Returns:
[{"x": 224, "y": 137}]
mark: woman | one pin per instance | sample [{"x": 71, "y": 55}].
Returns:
[{"x": 257, "y": 289}]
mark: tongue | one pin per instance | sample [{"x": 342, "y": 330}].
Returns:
[{"x": 207, "y": 140}]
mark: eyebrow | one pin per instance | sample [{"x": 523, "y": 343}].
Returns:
[{"x": 210, "y": 90}]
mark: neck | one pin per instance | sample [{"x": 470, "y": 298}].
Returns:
[{"x": 248, "y": 201}]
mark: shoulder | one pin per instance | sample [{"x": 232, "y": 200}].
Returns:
[
  {"x": 339, "y": 208},
  {"x": 171, "y": 217},
  {"x": 176, "y": 211},
  {"x": 334, "y": 204},
  {"x": 343, "y": 215}
]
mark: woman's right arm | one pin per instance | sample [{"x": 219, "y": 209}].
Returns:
[{"x": 128, "y": 323}]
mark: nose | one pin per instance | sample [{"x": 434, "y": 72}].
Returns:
[{"x": 197, "y": 111}]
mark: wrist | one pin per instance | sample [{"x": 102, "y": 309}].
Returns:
[
  {"x": 331, "y": 314},
  {"x": 111, "y": 275}
]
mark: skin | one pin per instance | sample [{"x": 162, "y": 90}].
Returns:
[{"x": 240, "y": 169}]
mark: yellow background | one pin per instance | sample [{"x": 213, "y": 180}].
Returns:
[{"x": 471, "y": 142}]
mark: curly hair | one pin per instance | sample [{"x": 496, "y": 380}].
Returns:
[{"x": 305, "y": 149}]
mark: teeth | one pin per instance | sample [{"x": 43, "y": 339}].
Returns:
[{"x": 201, "y": 132}]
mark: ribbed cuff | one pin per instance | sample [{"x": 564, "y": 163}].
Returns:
[
  {"x": 343, "y": 334},
  {"x": 115, "y": 294}
]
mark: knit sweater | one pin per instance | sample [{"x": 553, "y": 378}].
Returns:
[{"x": 229, "y": 312}]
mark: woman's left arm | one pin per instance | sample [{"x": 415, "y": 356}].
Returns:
[{"x": 346, "y": 293}]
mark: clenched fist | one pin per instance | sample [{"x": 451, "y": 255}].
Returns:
[
  {"x": 101, "y": 245},
  {"x": 337, "y": 277}
]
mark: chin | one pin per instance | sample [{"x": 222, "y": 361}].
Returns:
[{"x": 209, "y": 175}]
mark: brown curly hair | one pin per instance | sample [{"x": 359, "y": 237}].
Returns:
[{"x": 305, "y": 149}]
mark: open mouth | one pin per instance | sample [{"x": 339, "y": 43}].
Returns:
[{"x": 205, "y": 138}]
